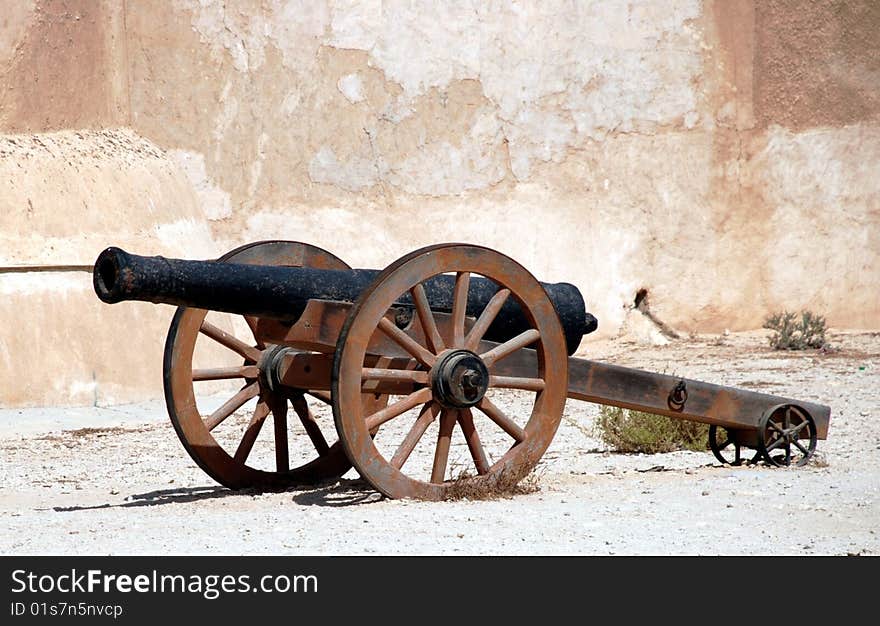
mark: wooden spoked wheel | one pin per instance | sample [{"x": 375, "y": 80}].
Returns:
[
  {"x": 787, "y": 436},
  {"x": 724, "y": 445},
  {"x": 230, "y": 459},
  {"x": 450, "y": 374}
]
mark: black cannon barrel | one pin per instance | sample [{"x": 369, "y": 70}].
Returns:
[{"x": 281, "y": 292}]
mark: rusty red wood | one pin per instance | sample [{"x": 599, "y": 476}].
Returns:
[
  {"x": 590, "y": 381},
  {"x": 614, "y": 385}
]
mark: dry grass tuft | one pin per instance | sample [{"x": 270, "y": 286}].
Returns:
[
  {"x": 818, "y": 460},
  {"x": 98, "y": 432},
  {"x": 88, "y": 432},
  {"x": 507, "y": 485}
]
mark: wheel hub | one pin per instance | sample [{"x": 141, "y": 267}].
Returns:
[
  {"x": 459, "y": 379},
  {"x": 270, "y": 365}
]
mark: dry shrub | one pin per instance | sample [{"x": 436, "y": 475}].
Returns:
[
  {"x": 634, "y": 431},
  {"x": 792, "y": 331}
]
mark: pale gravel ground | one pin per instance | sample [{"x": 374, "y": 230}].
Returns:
[{"x": 130, "y": 488}]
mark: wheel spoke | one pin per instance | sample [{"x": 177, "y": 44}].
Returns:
[
  {"x": 224, "y": 373},
  {"x": 232, "y": 405},
  {"x": 775, "y": 427},
  {"x": 775, "y": 444},
  {"x": 398, "y": 408},
  {"x": 726, "y": 443},
  {"x": 323, "y": 396},
  {"x": 787, "y": 421},
  {"x": 279, "y": 413},
  {"x": 508, "y": 347},
  {"x": 225, "y": 339},
  {"x": 797, "y": 429},
  {"x": 513, "y": 382},
  {"x": 428, "y": 415},
  {"x": 301, "y": 408},
  {"x": 736, "y": 455},
  {"x": 441, "y": 453},
  {"x": 252, "y": 431},
  {"x": 459, "y": 307},
  {"x": 803, "y": 450},
  {"x": 411, "y": 376},
  {"x": 472, "y": 341},
  {"x": 466, "y": 421},
  {"x": 370, "y": 385},
  {"x": 498, "y": 416},
  {"x": 406, "y": 342},
  {"x": 426, "y": 318}
]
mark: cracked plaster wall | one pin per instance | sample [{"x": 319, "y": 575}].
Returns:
[{"x": 721, "y": 155}]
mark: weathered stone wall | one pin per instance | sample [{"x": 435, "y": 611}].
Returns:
[{"x": 720, "y": 155}]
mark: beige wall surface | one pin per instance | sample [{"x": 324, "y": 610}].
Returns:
[{"x": 721, "y": 155}]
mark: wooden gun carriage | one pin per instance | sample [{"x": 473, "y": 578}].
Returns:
[{"x": 435, "y": 337}]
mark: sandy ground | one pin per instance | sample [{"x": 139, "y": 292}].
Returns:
[{"x": 116, "y": 480}]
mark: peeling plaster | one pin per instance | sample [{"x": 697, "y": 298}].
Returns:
[
  {"x": 354, "y": 24},
  {"x": 351, "y": 87},
  {"x": 722, "y": 155},
  {"x": 581, "y": 128},
  {"x": 196, "y": 234},
  {"x": 214, "y": 201},
  {"x": 257, "y": 166},
  {"x": 227, "y": 114},
  {"x": 421, "y": 49},
  {"x": 610, "y": 67},
  {"x": 442, "y": 168},
  {"x": 243, "y": 32},
  {"x": 356, "y": 174}
]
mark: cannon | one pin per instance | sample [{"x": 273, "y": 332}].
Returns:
[{"x": 454, "y": 338}]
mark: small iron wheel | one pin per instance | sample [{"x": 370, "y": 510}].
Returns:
[
  {"x": 787, "y": 436},
  {"x": 449, "y": 374},
  {"x": 726, "y": 449},
  {"x": 228, "y": 457}
]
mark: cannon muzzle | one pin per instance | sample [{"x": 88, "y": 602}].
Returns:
[{"x": 282, "y": 292}]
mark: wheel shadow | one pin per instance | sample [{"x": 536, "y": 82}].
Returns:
[
  {"x": 340, "y": 493},
  {"x": 165, "y": 496}
]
